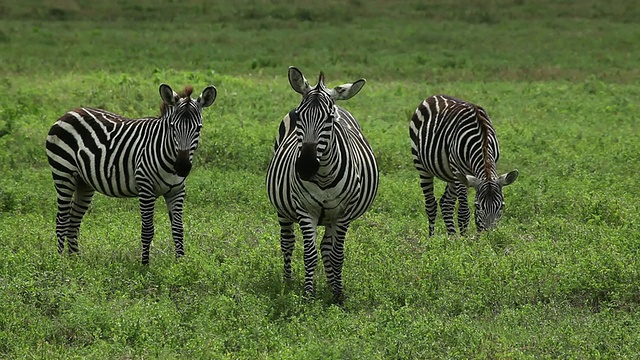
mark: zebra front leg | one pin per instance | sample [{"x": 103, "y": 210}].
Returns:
[
  {"x": 81, "y": 201},
  {"x": 308, "y": 228},
  {"x": 147, "y": 202},
  {"x": 175, "y": 203},
  {"x": 430, "y": 203},
  {"x": 332, "y": 249},
  {"x": 287, "y": 244},
  {"x": 447, "y": 205},
  {"x": 463, "y": 208}
]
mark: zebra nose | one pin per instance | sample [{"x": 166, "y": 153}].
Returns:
[
  {"x": 489, "y": 223},
  {"x": 307, "y": 164},
  {"x": 182, "y": 166}
]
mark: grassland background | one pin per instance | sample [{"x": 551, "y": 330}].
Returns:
[{"x": 558, "y": 279}]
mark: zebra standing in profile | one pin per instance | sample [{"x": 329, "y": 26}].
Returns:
[
  {"x": 93, "y": 150},
  {"x": 454, "y": 140},
  {"x": 323, "y": 173}
]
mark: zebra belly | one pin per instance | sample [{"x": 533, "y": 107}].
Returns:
[
  {"x": 111, "y": 177},
  {"x": 326, "y": 206}
]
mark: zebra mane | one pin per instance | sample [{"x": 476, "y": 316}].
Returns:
[
  {"x": 188, "y": 90},
  {"x": 321, "y": 79},
  {"x": 486, "y": 130}
]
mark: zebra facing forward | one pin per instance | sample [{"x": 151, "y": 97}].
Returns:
[
  {"x": 323, "y": 173},
  {"x": 454, "y": 140},
  {"x": 93, "y": 150}
]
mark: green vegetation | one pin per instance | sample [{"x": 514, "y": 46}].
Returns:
[{"x": 559, "y": 278}]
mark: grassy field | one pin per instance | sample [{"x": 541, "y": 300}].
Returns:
[{"x": 559, "y": 278}]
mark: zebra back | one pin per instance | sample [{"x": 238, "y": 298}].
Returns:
[{"x": 287, "y": 125}]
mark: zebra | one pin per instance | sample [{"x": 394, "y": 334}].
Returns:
[
  {"x": 454, "y": 140},
  {"x": 323, "y": 173},
  {"x": 93, "y": 150}
]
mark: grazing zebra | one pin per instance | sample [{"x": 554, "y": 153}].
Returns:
[
  {"x": 93, "y": 150},
  {"x": 454, "y": 140},
  {"x": 323, "y": 173}
]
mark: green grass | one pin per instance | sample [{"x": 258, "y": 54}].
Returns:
[{"x": 559, "y": 278}]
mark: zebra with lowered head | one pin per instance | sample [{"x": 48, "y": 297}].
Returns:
[
  {"x": 323, "y": 173},
  {"x": 454, "y": 140},
  {"x": 93, "y": 150}
]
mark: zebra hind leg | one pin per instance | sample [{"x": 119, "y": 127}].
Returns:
[
  {"x": 447, "y": 205},
  {"x": 287, "y": 243},
  {"x": 81, "y": 201},
  {"x": 430, "y": 203},
  {"x": 463, "y": 208},
  {"x": 332, "y": 249}
]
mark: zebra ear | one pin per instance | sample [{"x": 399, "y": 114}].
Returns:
[
  {"x": 168, "y": 96},
  {"x": 298, "y": 81},
  {"x": 347, "y": 91},
  {"x": 468, "y": 180},
  {"x": 208, "y": 96},
  {"x": 508, "y": 178}
]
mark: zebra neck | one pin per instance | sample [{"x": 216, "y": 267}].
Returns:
[
  {"x": 169, "y": 146},
  {"x": 484, "y": 174},
  {"x": 329, "y": 161}
]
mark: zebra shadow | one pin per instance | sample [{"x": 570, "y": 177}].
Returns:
[{"x": 287, "y": 299}]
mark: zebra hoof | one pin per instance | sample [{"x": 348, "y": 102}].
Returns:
[{"x": 338, "y": 299}]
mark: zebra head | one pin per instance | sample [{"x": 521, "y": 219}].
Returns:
[
  {"x": 184, "y": 117},
  {"x": 489, "y": 200},
  {"x": 316, "y": 114}
]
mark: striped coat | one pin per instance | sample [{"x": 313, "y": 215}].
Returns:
[
  {"x": 323, "y": 173},
  {"x": 93, "y": 150},
  {"x": 454, "y": 140}
]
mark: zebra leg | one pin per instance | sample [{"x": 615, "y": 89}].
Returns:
[
  {"x": 64, "y": 190},
  {"x": 308, "y": 227},
  {"x": 81, "y": 201},
  {"x": 332, "y": 249},
  {"x": 430, "y": 203},
  {"x": 447, "y": 205},
  {"x": 174, "y": 203},
  {"x": 147, "y": 202},
  {"x": 287, "y": 243},
  {"x": 463, "y": 208}
]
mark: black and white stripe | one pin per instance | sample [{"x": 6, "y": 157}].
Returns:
[
  {"x": 323, "y": 173},
  {"x": 93, "y": 150},
  {"x": 454, "y": 140}
]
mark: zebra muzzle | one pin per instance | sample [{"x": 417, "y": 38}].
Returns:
[
  {"x": 182, "y": 166},
  {"x": 307, "y": 164}
]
